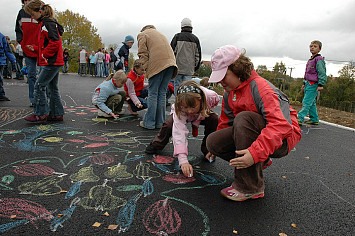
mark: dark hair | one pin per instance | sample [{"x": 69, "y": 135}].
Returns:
[{"x": 242, "y": 67}]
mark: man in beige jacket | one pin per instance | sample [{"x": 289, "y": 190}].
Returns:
[{"x": 158, "y": 60}]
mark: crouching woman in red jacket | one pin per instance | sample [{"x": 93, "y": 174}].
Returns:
[
  {"x": 257, "y": 123},
  {"x": 50, "y": 57}
]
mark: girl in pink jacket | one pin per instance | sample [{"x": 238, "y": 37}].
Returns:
[{"x": 193, "y": 104}]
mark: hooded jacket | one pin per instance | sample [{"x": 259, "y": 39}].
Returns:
[
  {"x": 187, "y": 50},
  {"x": 27, "y": 32},
  {"x": 50, "y": 51},
  {"x": 260, "y": 96},
  {"x": 4, "y": 53}
]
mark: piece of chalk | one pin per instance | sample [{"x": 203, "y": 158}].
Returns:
[
  {"x": 190, "y": 175},
  {"x": 211, "y": 160}
]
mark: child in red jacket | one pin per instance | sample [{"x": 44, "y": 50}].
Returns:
[{"x": 50, "y": 57}]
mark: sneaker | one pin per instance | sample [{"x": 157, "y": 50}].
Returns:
[
  {"x": 31, "y": 104},
  {"x": 55, "y": 118},
  {"x": 151, "y": 149},
  {"x": 120, "y": 112},
  {"x": 268, "y": 164},
  {"x": 102, "y": 114},
  {"x": 34, "y": 118},
  {"x": 234, "y": 195},
  {"x": 299, "y": 122},
  {"x": 131, "y": 111},
  {"x": 4, "y": 99},
  {"x": 311, "y": 122}
]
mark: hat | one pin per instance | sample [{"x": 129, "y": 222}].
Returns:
[
  {"x": 220, "y": 60},
  {"x": 128, "y": 38},
  {"x": 186, "y": 22}
]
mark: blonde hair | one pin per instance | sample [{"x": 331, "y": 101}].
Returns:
[
  {"x": 119, "y": 76},
  {"x": 319, "y": 43},
  {"x": 242, "y": 67},
  {"x": 204, "y": 82},
  {"x": 36, "y": 5},
  {"x": 189, "y": 98}
]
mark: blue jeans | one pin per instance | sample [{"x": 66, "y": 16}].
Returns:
[
  {"x": 158, "y": 84},
  {"x": 65, "y": 67},
  {"x": 178, "y": 80},
  {"x": 31, "y": 63},
  {"x": 48, "y": 79},
  {"x": 143, "y": 100},
  {"x": 100, "y": 69},
  {"x": 2, "y": 91}
]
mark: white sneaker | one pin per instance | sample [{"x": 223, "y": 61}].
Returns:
[{"x": 102, "y": 114}]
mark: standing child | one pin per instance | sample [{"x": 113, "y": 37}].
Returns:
[
  {"x": 92, "y": 59},
  {"x": 314, "y": 79},
  {"x": 27, "y": 33},
  {"x": 50, "y": 57},
  {"x": 192, "y": 104},
  {"x": 136, "y": 89},
  {"x": 108, "y": 98}
]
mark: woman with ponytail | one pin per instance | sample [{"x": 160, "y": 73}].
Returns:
[{"x": 50, "y": 56}]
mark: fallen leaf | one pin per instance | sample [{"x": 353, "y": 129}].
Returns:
[
  {"x": 307, "y": 157},
  {"x": 282, "y": 234},
  {"x": 284, "y": 177},
  {"x": 12, "y": 216},
  {"x": 72, "y": 120},
  {"x": 97, "y": 224},
  {"x": 294, "y": 225},
  {"x": 63, "y": 191},
  {"x": 71, "y": 155},
  {"x": 112, "y": 227},
  {"x": 351, "y": 174},
  {"x": 235, "y": 232},
  {"x": 106, "y": 214},
  {"x": 60, "y": 215}
]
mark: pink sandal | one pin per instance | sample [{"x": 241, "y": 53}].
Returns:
[{"x": 235, "y": 195}]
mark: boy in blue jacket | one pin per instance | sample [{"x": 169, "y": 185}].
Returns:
[
  {"x": 3, "y": 54},
  {"x": 314, "y": 79}
]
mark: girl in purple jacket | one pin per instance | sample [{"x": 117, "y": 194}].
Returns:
[{"x": 193, "y": 104}]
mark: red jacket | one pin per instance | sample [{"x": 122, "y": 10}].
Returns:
[
  {"x": 260, "y": 96},
  {"x": 50, "y": 51},
  {"x": 138, "y": 82},
  {"x": 27, "y": 32}
]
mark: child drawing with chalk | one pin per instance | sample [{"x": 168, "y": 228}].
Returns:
[
  {"x": 193, "y": 104},
  {"x": 136, "y": 89},
  {"x": 108, "y": 98}
]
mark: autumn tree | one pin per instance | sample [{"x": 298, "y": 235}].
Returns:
[{"x": 78, "y": 32}]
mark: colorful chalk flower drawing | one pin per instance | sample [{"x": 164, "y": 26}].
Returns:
[{"x": 89, "y": 172}]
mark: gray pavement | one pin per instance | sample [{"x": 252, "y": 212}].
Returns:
[{"x": 62, "y": 178}]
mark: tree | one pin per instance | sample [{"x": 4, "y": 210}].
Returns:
[
  {"x": 203, "y": 71},
  {"x": 78, "y": 32},
  {"x": 261, "y": 69},
  {"x": 348, "y": 71}
]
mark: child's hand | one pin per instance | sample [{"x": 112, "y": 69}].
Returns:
[
  {"x": 210, "y": 157},
  {"x": 244, "y": 161},
  {"x": 139, "y": 105},
  {"x": 320, "y": 88},
  {"x": 114, "y": 115},
  {"x": 187, "y": 169},
  {"x": 30, "y": 47},
  {"x": 302, "y": 87}
]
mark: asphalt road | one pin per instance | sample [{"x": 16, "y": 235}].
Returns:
[{"x": 62, "y": 178}]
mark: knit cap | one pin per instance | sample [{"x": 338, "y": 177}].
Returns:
[
  {"x": 129, "y": 38},
  {"x": 186, "y": 22}
]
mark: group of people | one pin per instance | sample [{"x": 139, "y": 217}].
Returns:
[{"x": 256, "y": 122}]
